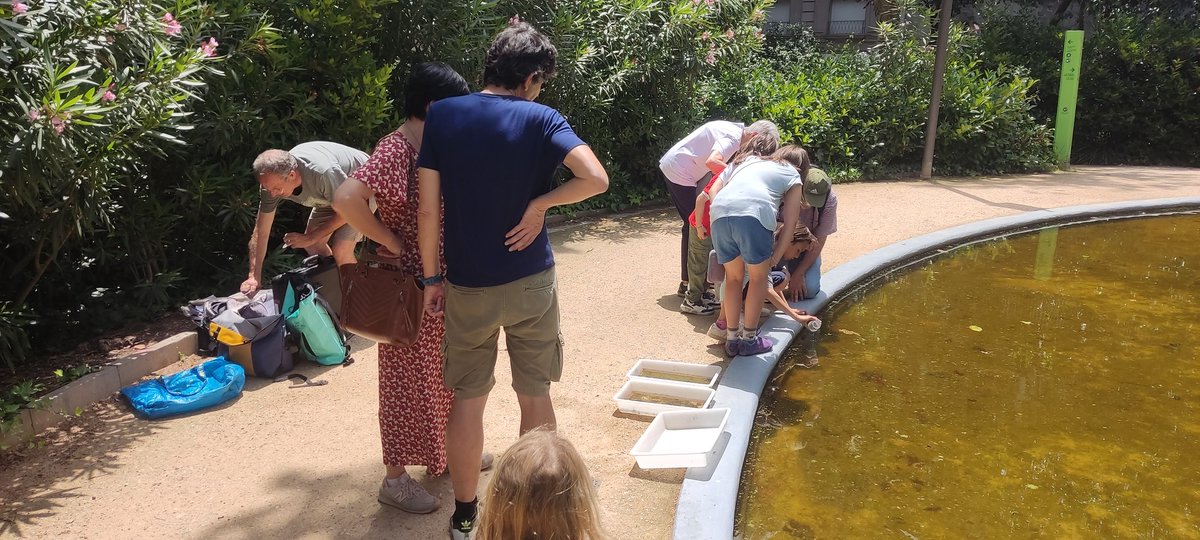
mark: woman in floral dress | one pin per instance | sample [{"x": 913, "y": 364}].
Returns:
[{"x": 414, "y": 403}]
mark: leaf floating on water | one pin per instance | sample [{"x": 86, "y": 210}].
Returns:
[
  {"x": 849, "y": 332},
  {"x": 1026, "y": 322},
  {"x": 1031, "y": 486},
  {"x": 975, "y": 328}
]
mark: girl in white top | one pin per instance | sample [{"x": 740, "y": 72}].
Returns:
[{"x": 745, "y": 208}]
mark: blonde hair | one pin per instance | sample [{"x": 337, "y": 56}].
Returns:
[{"x": 541, "y": 490}]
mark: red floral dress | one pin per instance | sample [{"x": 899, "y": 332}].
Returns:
[{"x": 414, "y": 403}]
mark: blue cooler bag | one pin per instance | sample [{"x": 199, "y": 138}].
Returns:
[{"x": 206, "y": 385}]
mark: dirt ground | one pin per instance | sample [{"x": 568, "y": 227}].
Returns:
[{"x": 305, "y": 463}]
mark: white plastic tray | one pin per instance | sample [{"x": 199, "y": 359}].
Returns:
[
  {"x": 697, "y": 370},
  {"x": 680, "y": 439},
  {"x": 670, "y": 389}
]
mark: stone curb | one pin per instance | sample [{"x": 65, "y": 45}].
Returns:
[
  {"x": 78, "y": 395},
  {"x": 708, "y": 498}
]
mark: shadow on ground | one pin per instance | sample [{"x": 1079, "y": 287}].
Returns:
[
  {"x": 82, "y": 448},
  {"x": 619, "y": 229},
  {"x": 315, "y": 502}
]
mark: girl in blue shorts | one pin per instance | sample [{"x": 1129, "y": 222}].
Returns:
[{"x": 745, "y": 209}]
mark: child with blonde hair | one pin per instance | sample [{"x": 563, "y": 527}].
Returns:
[{"x": 541, "y": 490}]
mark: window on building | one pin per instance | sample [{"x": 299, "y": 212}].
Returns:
[
  {"x": 781, "y": 12},
  {"x": 847, "y": 17}
]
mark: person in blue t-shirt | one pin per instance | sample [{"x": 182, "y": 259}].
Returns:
[{"x": 486, "y": 171}]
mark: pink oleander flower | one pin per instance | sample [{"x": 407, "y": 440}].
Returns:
[
  {"x": 710, "y": 3},
  {"x": 171, "y": 27},
  {"x": 58, "y": 124},
  {"x": 19, "y": 7},
  {"x": 120, "y": 27},
  {"x": 705, "y": 35},
  {"x": 514, "y": 20},
  {"x": 729, "y": 34},
  {"x": 695, "y": 2},
  {"x": 758, "y": 34},
  {"x": 34, "y": 115},
  {"x": 711, "y": 57},
  {"x": 208, "y": 48},
  {"x": 108, "y": 95}
]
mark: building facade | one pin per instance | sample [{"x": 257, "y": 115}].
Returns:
[{"x": 826, "y": 18}]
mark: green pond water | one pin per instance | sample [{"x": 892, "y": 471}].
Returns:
[{"x": 1043, "y": 385}]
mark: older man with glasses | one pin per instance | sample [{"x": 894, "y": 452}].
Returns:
[{"x": 308, "y": 174}]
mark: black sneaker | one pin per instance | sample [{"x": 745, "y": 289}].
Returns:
[
  {"x": 697, "y": 309},
  {"x": 682, "y": 291},
  {"x": 463, "y": 530},
  {"x": 710, "y": 298}
]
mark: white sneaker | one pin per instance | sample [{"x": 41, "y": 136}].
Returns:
[
  {"x": 408, "y": 495},
  {"x": 717, "y": 330}
]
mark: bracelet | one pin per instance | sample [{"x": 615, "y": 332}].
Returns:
[{"x": 432, "y": 280}]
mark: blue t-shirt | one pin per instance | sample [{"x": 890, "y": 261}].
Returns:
[{"x": 495, "y": 154}]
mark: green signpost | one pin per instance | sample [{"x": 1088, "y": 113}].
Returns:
[{"x": 1068, "y": 91}]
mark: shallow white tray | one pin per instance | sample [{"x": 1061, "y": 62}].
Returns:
[
  {"x": 697, "y": 370},
  {"x": 672, "y": 389},
  {"x": 680, "y": 439}
]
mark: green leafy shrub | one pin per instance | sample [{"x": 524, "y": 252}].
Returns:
[
  {"x": 863, "y": 113},
  {"x": 89, "y": 89},
  {"x": 1139, "y": 92},
  {"x": 630, "y": 74}
]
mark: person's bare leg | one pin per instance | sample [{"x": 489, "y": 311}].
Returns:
[
  {"x": 536, "y": 411},
  {"x": 756, "y": 293},
  {"x": 465, "y": 449},
  {"x": 735, "y": 271},
  {"x": 394, "y": 471},
  {"x": 343, "y": 251}
]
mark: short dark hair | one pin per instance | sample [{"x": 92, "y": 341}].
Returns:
[
  {"x": 429, "y": 82},
  {"x": 518, "y": 52}
]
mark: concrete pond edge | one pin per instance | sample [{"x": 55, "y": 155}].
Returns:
[
  {"x": 708, "y": 497},
  {"x": 96, "y": 386}
]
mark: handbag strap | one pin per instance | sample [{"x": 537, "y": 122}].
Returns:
[{"x": 370, "y": 253}]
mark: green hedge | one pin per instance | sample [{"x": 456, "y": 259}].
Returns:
[
  {"x": 862, "y": 113},
  {"x": 1139, "y": 93}
]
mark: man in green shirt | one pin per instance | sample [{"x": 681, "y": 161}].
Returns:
[{"x": 308, "y": 174}]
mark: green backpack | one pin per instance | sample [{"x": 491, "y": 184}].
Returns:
[{"x": 314, "y": 322}]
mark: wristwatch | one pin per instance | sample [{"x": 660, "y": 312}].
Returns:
[{"x": 431, "y": 280}]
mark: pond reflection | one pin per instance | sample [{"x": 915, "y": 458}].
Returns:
[{"x": 1045, "y": 384}]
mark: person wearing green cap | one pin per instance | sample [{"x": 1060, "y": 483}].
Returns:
[{"x": 820, "y": 216}]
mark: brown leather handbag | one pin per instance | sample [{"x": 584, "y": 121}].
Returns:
[{"x": 379, "y": 302}]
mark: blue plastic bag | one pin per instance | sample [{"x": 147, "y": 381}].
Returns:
[{"x": 206, "y": 385}]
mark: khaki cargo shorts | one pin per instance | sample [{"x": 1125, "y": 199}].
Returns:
[
  {"x": 527, "y": 310},
  {"x": 322, "y": 214}
]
